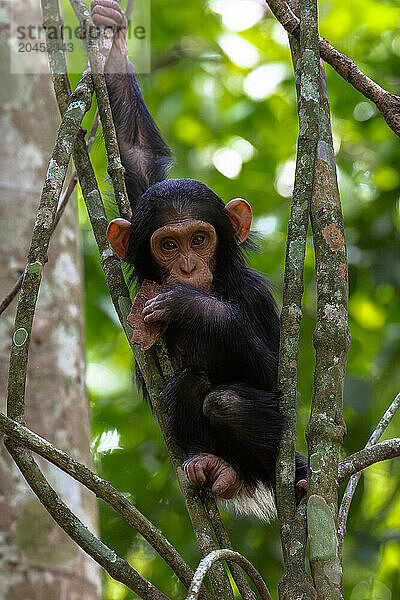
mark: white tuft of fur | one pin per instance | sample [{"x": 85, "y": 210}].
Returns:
[{"x": 258, "y": 502}]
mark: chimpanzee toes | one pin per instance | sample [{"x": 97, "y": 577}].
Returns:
[
  {"x": 224, "y": 480},
  {"x": 194, "y": 470},
  {"x": 301, "y": 489}
]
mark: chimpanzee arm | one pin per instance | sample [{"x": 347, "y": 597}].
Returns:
[
  {"x": 144, "y": 154},
  {"x": 222, "y": 327},
  {"x": 183, "y": 304}
]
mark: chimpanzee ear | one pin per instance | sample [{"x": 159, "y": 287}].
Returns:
[
  {"x": 118, "y": 232},
  {"x": 240, "y": 214}
]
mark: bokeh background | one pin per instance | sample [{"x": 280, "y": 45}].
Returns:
[{"x": 222, "y": 92}]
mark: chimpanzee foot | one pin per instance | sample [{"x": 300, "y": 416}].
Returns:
[
  {"x": 208, "y": 468},
  {"x": 301, "y": 489}
]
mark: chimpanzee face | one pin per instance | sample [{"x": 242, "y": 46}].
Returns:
[
  {"x": 183, "y": 248},
  {"x": 184, "y": 251}
]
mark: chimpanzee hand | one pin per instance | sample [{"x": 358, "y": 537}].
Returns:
[
  {"x": 108, "y": 14},
  {"x": 203, "y": 468},
  {"x": 171, "y": 303}
]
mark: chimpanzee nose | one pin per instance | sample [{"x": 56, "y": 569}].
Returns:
[{"x": 187, "y": 267}]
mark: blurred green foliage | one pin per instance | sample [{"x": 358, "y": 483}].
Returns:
[{"x": 224, "y": 99}]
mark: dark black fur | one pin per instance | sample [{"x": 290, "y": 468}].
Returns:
[{"x": 221, "y": 342}]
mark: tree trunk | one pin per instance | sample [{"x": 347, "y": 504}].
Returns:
[{"x": 37, "y": 559}]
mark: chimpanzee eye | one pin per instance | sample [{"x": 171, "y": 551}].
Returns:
[
  {"x": 169, "y": 245},
  {"x": 198, "y": 239}
]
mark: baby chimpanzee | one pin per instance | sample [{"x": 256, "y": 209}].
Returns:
[{"x": 222, "y": 329}]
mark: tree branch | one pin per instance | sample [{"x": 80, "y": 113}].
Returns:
[
  {"x": 352, "y": 484},
  {"x": 388, "y": 104},
  {"x": 384, "y": 422},
  {"x": 60, "y": 210},
  {"x": 293, "y": 533},
  {"x": 104, "y": 490},
  {"x": 368, "y": 456},
  {"x": 11, "y": 294},
  {"x": 118, "y": 568},
  {"x": 326, "y": 426},
  {"x": 79, "y": 103},
  {"x": 218, "y": 555},
  {"x": 201, "y": 523},
  {"x": 224, "y": 542}
]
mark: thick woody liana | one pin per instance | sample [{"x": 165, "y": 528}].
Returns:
[
  {"x": 79, "y": 103},
  {"x": 326, "y": 427},
  {"x": 292, "y": 520},
  {"x": 229, "y": 555}
]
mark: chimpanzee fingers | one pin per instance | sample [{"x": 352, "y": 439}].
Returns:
[
  {"x": 153, "y": 301},
  {"x": 156, "y": 305},
  {"x": 156, "y": 315},
  {"x": 151, "y": 308},
  {"x": 194, "y": 472},
  {"x": 148, "y": 308},
  {"x": 301, "y": 489},
  {"x": 110, "y": 5},
  {"x": 107, "y": 11},
  {"x": 104, "y": 14},
  {"x": 103, "y": 22},
  {"x": 162, "y": 297},
  {"x": 106, "y": 17}
]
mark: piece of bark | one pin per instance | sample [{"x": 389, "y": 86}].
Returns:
[{"x": 145, "y": 334}]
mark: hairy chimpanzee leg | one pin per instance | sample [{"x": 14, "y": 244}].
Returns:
[
  {"x": 188, "y": 425},
  {"x": 230, "y": 432},
  {"x": 251, "y": 419}
]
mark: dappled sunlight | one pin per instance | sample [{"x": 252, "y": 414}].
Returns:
[
  {"x": 238, "y": 15},
  {"x": 265, "y": 225},
  {"x": 284, "y": 179},
  {"x": 263, "y": 81},
  {"x": 243, "y": 147},
  {"x": 100, "y": 379},
  {"x": 228, "y": 162},
  {"x": 239, "y": 51},
  {"x": 108, "y": 441}
]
